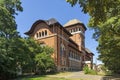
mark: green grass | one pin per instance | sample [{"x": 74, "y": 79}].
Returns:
[
  {"x": 44, "y": 78},
  {"x": 60, "y": 76},
  {"x": 47, "y": 78}
]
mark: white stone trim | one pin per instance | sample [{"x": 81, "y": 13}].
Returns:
[
  {"x": 87, "y": 62},
  {"x": 78, "y": 32},
  {"x": 52, "y": 36}
]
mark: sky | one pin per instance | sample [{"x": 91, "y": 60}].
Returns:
[{"x": 62, "y": 11}]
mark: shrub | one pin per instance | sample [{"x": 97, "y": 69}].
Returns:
[
  {"x": 93, "y": 72},
  {"x": 87, "y": 70}
]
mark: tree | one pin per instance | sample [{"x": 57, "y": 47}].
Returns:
[
  {"x": 8, "y": 34},
  {"x": 16, "y": 53},
  {"x": 44, "y": 61},
  {"x": 31, "y": 57},
  {"x": 105, "y": 20},
  {"x": 99, "y": 10}
]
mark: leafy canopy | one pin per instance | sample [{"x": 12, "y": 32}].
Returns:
[{"x": 105, "y": 20}]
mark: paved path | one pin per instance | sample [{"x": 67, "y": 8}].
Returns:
[{"x": 81, "y": 75}]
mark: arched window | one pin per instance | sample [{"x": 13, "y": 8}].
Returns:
[
  {"x": 72, "y": 55},
  {"x": 74, "y": 30},
  {"x": 42, "y": 33},
  {"x": 79, "y": 58},
  {"x": 71, "y": 30},
  {"x": 62, "y": 53},
  {"x": 79, "y": 29},
  {"x": 69, "y": 53},
  {"x": 45, "y": 32},
  {"x": 39, "y": 34},
  {"x": 62, "y": 49}
]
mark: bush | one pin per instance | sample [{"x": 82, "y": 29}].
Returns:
[
  {"x": 93, "y": 72},
  {"x": 87, "y": 70}
]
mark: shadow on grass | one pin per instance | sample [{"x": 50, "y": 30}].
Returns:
[
  {"x": 111, "y": 77},
  {"x": 28, "y": 76},
  {"x": 60, "y": 72}
]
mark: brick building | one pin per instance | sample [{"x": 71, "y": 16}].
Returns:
[{"x": 68, "y": 42}]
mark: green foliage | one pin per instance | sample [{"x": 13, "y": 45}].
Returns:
[
  {"x": 109, "y": 46},
  {"x": 35, "y": 59},
  {"x": 44, "y": 61},
  {"x": 105, "y": 70},
  {"x": 46, "y": 78},
  {"x": 16, "y": 53},
  {"x": 87, "y": 70},
  {"x": 99, "y": 10},
  {"x": 8, "y": 37},
  {"x": 105, "y": 20}
]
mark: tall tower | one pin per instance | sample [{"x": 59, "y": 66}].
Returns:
[{"x": 77, "y": 29}]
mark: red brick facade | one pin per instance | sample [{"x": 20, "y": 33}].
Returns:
[{"x": 67, "y": 42}]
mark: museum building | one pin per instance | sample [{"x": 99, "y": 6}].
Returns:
[{"x": 68, "y": 42}]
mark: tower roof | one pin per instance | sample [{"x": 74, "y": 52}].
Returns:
[{"x": 73, "y": 22}]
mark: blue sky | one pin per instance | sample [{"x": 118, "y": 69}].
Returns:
[{"x": 58, "y": 9}]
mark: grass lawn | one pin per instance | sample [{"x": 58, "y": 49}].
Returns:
[
  {"x": 44, "y": 78},
  {"x": 48, "y": 77},
  {"x": 60, "y": 74}
]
